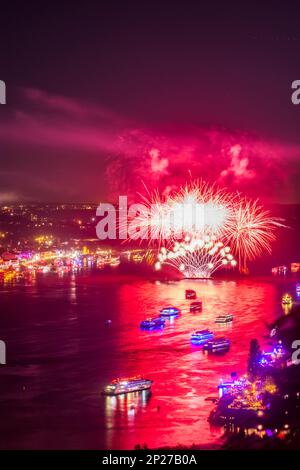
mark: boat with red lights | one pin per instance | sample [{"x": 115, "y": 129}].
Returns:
[
  {"x": 196, "y": 306},
  {"x": 127, "y": 385},
  {"x": 190, "y": 294}
]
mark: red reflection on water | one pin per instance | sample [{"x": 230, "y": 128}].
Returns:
[{"x": 62, "y": 351}]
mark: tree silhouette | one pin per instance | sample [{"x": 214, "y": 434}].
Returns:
[{"x": 254, "y": 357}]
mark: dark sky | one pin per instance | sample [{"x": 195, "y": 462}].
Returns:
[{"x": 104, "y": 94}]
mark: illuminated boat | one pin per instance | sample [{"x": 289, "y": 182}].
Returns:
[
  {"x": 217, "y": 345},
  {"x": 190, "y": 294},
  {"x": 196, "y": 307},
  {"x": 231, "y": 387},
  {"x": 202, "y": 336},
  {"x": 127, "y": 385},
  {"x": 169, "y": 312},
  {"x": 224, "y": 318},
  {"x": 287, "y": 299},
  {"x": 151, "y": 323}
]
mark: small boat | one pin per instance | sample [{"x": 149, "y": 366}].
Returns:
[
  {"x": 190, "y": 294},
  {"x": 151, "y": 323},
  {"x": 287, "y": 299},
  {"x": 217, "y": 345},
  {"x": 169, "y": 312},
  {"x": 127, "y": 385},
  {"x": 224, "y": 318},
  {"x": 196, "y": 307},
  {"x": 202, "y": 336}
]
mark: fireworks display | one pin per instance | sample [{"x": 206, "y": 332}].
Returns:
[
  {"x": 197, "y": 209},
  {"x": 201, "y": 228}
]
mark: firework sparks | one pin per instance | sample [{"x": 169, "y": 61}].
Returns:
[{"x": 251, "y": 232}]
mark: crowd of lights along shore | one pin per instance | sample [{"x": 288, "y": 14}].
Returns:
[{"x": 201, "y": 228}]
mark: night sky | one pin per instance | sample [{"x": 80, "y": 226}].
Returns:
[{"x": 103, "y": 96}]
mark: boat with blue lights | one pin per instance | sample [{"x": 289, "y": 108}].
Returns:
[
  {"x": 196, "y": 306},
  {"x": 190, "y": 294},
  {"x": 202, "y": 336},
  {"x": 152, "y": 323},
  {"x": 127, "y": 385},
  {"x": 224, "y": 318},
  {"x": 217, "y": 345},
  {"x": 276, "y": 358},
  {"x": 169, "y": 312}
]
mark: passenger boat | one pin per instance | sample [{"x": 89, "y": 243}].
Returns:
[
  {"x": 287, "y": 299},
  {"x": 151, "y": 323},
  {"x": 169, "y": 312},
  {"x": 224, "y": 318},
  {"x": 127, "y": 385},
  {"x": 196, "y": 307},
  {"x": 202, "y": 336},
  {"x": 217, "y": 345},
  {"x": 190, "y": 294}
]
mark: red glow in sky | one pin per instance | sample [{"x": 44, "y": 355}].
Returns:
[{"x": 66, "y": 149}]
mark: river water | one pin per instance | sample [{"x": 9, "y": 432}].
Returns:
[{"x": 61, "y": 352}]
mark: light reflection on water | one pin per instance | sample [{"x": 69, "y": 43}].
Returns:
[{"x": 62, "y": 351}]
